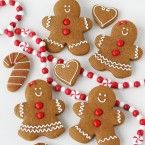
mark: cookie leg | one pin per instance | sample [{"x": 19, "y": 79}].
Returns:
[
  {"x": 79, "y": 48},
  {"x": 96, "y": 64},
  {"x": 80, "y": 135},
  {"x": 55, "y": 133},
  {"x": 53, "y": 45},
  {"x": 28, "y": 136}
]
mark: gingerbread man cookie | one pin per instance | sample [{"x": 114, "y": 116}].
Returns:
[
  {"x": 116, "y": 51},
  {"x": 67, "y": 28},
  {"x": 98, "y": 118},
  {"x": 39, "y": 112}
]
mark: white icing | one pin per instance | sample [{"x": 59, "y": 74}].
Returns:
[
  {"x": 101, "y": 41},
  {"x": 15, "y": 84},
  {"x": 66, "y": 65},
  {"x": 21, "y": 110},
  {"x": 54, "y": 42},
  {"x": 81, "y": 109},
  {"x": 67, "y": 8},
  {"x": 106, "y": 139},
  {"x": 136, "y": 52},
  {"x": 17, "y": 76},
  {"x": 82, "y": 132},
  {"x": 38, "y": 92},
  {"x": 107, "y": 62},
  {"x": 107, "y": 10},
  {"x": 77, "y": 44},
  {"x": 102, "y": 98},
  {"x": 86, "y": 23},
  {"x": 23, "y": 62},
  {"x": 125, "y": 31},
  {"x": 48, "y": 22},
  {"x": 119, "y": 116},
  {"x": 58, "y": 105}
]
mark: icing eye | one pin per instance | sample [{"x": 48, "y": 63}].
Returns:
[
  {"x": 100, "y": 94},
  {"x": 40, "y": 88},
  {"x": 65, "y": 6},
  {"x": 35, "y": 89},
  {"x": 69, "y": 6},
  {"x": 105, "y": 95}
]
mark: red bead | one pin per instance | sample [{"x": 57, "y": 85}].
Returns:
[
  {"x": 40, "y": 115},
  {"x": 114, "y": 85},
  {"x": 31, "y": 34},
  {"x": 117, "y": 103},
  {"x": 19, "y": 8},
  {"x": 142, "y": 122},
  {"x": 125, "y": 85},
  {"x": 120, "y": 43},
  {"x": 97, "y": 123},
  {"x": 100, "y": 79},
  {"x": 45, "y": 70},
  {"x": 39, "y": 105},
  {"x": 10, "y": 34},
  {"x": 66, "y": 21},
  {"x": 29, "y": 50},
  {"x": 98, "y": 112},
  {"x": 17, "y": 42},
  {"x": 2, "y": 3},
  {"x": 90, "y": 75},
  {"x": 17, "y": 31},
  {"x": 38, "y": 40},
  {"x": 137, "y": 84},
  {"x": 140, "y": 132},
  {"x": 82, "y": 70},
  {"x": 50, "y": 58},
  {"x": 68, "y": 91},
  {"x": 58, "y": 88},
  {"x": 66, "y": 31},
  {"x": 60, "y": 61},
  {"x": 43, "y": 59},
  {"x": 135, "y": 113},
  {"x": 126, "y": 107},
  {"x": 42, "y": 49},
  {"x": 83, "y": 97},
  {"x": 49, "y": 80},
  {"x": 13, "y": 24},
  {"x": 6, "y": 31},
  {"x": 115, "y": 52},
  {"x": 12, "y": 2},
  {"x": 18, "y": 17}
]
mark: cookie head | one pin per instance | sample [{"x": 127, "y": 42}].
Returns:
[
  {"x": 102, "y": 97},
  {"x": 37, "y": 90},
  {"x": 67, "y": 7},
  {"x": 125, "y": 30}
]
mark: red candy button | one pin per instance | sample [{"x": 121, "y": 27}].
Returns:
[
  {"x": 115, "y": 52},
  {"x": 39, "y": 105},
  {"x": 40, "y": 115},
  {"x": 66, "y": 21},
  {"x": 97, "y": 123},
  {"x": 98, "y": 112},
  {"x": 120, "y": 43},
  {"x": 66, "y": 31}
]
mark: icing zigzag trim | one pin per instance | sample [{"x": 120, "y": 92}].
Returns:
[
  {"x": 21, "y": 110},
  {"x": 58, "y": 106},
  {"x": 77, "y": 44},
  {"x": 136, "y": 52},
  {"x": 82, "y": 132},
  {"x": 54, "y": 42},
  {"x": 119, "y": 116},
  {"x": 101, "y": 40},
  {"x": 107, "y": 139},
  {"x": 48, "y": 22},
  {"x": 86, "y": 23},
  {"x": 81, "y": 109}
]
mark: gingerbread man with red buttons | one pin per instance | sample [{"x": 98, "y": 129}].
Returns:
[
  {"x": 116, "y": 51},
  {"x": 98, "y": 118},
  {"x": 67, "y": 28},
  {"x": 39, "y": 112}
]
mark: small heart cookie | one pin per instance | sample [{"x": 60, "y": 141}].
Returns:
[
  {"x": 104, "y": 16},
  {"x": 68, "y": 72}
]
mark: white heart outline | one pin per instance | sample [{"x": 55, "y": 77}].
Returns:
[
  {"x": 102, "y": 25},
  {"x": 66, "y": 65}
]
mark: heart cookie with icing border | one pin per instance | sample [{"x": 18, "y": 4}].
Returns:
[
  {"x": 104, "y": 16},
  {"x": 68, "y": 72}
]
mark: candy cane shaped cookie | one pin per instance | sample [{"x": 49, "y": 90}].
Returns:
[{"x": 21, "y": 65}]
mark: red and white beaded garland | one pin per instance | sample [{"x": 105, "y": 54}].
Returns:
[{"x": 19, "y": 15}]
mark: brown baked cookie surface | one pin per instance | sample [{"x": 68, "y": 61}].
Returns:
[
  {"x": 117, "y": 51},
  {"x": 39, "y": 112},
  {"x": 67, "y": 28},
  {"x": 98, "y": 118}
]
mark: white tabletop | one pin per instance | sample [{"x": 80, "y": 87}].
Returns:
[{"x": 34, "y": 11}]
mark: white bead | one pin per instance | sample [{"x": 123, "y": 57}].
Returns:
[
  {"x": 17, "y": 4},
  {"x": 20, "y": 13},
  {"x": 85, "y": 73},
  {"x": 131, "y": 84},
  {"x": 87, "y": 98},
  {"x": 1, "y": 32},
  {"x": 63, "y": 89},
  {"x": 142, "y": 82},
  {"x": 43, "y": 54},
  {"x": 142, "y": 127},
  {"x": 10, "y": 28},
  {"x": 42, "y": 43},
  {"x": 43, "y": 65},
  {"x": 34, "y": 38},
  {"x": 139, "y": 117},
  {"x": 7, "y": 1},
  {"x": 120, "y": 86},
  {"x": 46, "y": 75},
  {"x": 54, "y": 60},
  {"x": 13, "y": 38},
  {"x": 95, "y": 77},
  {"x": 131, "y": 109},
  {"x": 34, "y": 52},
  {"x": 54, "y": 83},
  {"x": 122, "y": 104}
]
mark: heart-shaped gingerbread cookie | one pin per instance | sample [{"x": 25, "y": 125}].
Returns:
[
  {"x": 68, "y": 72},
  {"x": 104, "y": 16}
]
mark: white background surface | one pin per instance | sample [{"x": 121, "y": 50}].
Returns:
[{"x": 35, "y": 10}]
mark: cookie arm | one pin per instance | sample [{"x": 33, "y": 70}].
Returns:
[
  {"x": 136, "y": 53},
  {"x": 60, "y": 106},
  {"x": 48, "y": 22},
  {"x": 86, "y": 24},
  {"x": 20, "y": 110},
  {"x": 79, "y": 108}
]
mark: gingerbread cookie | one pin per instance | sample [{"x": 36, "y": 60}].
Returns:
[
  {"x": 41, "y": 144},
  {"x": 40, "y": 112},
  {"x": 67, "y": 28},
  {"x": 68, "y": 72},
  {"x": 21, "y": 65},
  {"x": 104, "y": 16},
  {"x": 98, "y": 118},
  {"x": 116, "y": 51}
]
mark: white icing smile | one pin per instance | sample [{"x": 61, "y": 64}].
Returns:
[
  {"x": 67, "y": 8},
  {"x": 38, "y": 92},
  {"x": 125, "y": 31},
  {"x": 102, "y": 98}
]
